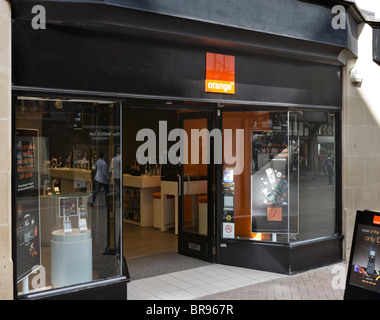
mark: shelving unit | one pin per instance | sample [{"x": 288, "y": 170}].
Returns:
[{"x": 138, "y": 198}]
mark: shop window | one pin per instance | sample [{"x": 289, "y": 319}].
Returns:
[
  {"x": 67, "y": 179},
  {"x": 316, "y": 166},
  {"x": 286, "y": 190}
]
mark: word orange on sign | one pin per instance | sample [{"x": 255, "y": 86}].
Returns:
[
  {"x": 376, "y": 220},
  {"x": 220, "y": 73}
]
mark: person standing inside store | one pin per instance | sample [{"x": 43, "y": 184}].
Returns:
[{"x": 102, "y": 179}]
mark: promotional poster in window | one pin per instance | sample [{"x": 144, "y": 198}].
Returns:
[
  {"x": 27, "y": 202},
  {"x": 270, "y": 200},
  {"x": 365, "y": 270}
]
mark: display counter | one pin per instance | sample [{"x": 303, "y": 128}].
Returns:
[
  {"x": 72, "y": 178},
  {"x": 138, "y": 198}
]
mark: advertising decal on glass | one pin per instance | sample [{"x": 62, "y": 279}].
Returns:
[
  {"x": 270, "y": 182},
  {"x": 228, "y": 204},
  {"x": 27, "y": 202}
]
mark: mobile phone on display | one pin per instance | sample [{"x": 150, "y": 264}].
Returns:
[
  {"x": 271, "y": 177},
  {"x": 282, "y": 186},
  {"x": 371, "y": 260},
  {"x": 267, "y": 193}
]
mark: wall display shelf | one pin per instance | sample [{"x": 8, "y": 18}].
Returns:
[{"x": 138, "y": 198}]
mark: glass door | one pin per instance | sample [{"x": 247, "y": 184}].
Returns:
[{"x": 196, "y": 178}]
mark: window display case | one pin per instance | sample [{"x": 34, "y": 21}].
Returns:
[
  {"x": 288, "y": 177},
  {"x": 71, "y": 240},
  {"x": 274, "y": 204},
  {"x": 278, "y": 195}
]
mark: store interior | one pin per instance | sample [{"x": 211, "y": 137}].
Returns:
[{"x": 151, "y": 247}]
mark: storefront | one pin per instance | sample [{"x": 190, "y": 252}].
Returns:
[{"x": 115, "y": 81}]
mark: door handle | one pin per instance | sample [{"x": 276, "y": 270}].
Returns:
[
  {"x": 188, "y": 183},
  {"x": 179, "y": 184}
]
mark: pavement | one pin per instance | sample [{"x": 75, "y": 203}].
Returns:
[
  {"x": 326, "y": 283},
  {"x": 221, "y": 282}
]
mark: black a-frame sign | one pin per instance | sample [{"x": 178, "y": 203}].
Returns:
[{"x": 363, "y": 274}]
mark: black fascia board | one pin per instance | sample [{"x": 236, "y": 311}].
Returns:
[{"x": 114, "y": 16}]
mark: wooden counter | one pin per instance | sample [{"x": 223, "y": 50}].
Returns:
[{"x": 141, "y": 181}]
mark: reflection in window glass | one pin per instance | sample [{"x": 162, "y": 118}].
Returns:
[
  {"x": 68, "y": 176},
  {"x": 317, "y": 175}
]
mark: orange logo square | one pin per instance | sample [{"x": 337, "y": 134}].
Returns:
[
  {"x": 220, "y": 73},
  {"x": 274, "y": 214},
  {"x": 376, "y": 219}
]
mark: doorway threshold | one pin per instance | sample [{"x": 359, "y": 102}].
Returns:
[{"x": 161, "y": 263}]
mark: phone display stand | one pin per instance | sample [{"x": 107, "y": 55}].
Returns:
[
  {"x": 71, "y": 257},
  {"x": 71, "y": 242}
]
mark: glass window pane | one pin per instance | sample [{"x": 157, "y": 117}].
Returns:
[
  {"x": 260, "y": 175},
  {"x": 316, "y": 176},
  {"x": 282, "y": 182},
  {"x": 67, "y": 192}
]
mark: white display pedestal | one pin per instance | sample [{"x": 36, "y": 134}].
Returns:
[{"x": 71, "y": 257}]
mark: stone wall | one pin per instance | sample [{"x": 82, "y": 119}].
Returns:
[
  {"x": 6, "y": 265},
  {"x": 361, "y": 137}
]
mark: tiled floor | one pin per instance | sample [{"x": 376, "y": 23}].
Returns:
[
  {"x": 196, "y": 283},
  {"x": 145, "y": 241}
]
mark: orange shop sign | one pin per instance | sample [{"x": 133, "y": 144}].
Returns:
[{"x": 220, "y": 73}]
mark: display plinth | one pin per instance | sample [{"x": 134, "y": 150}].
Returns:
[{"x": 71, "y": 257}]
